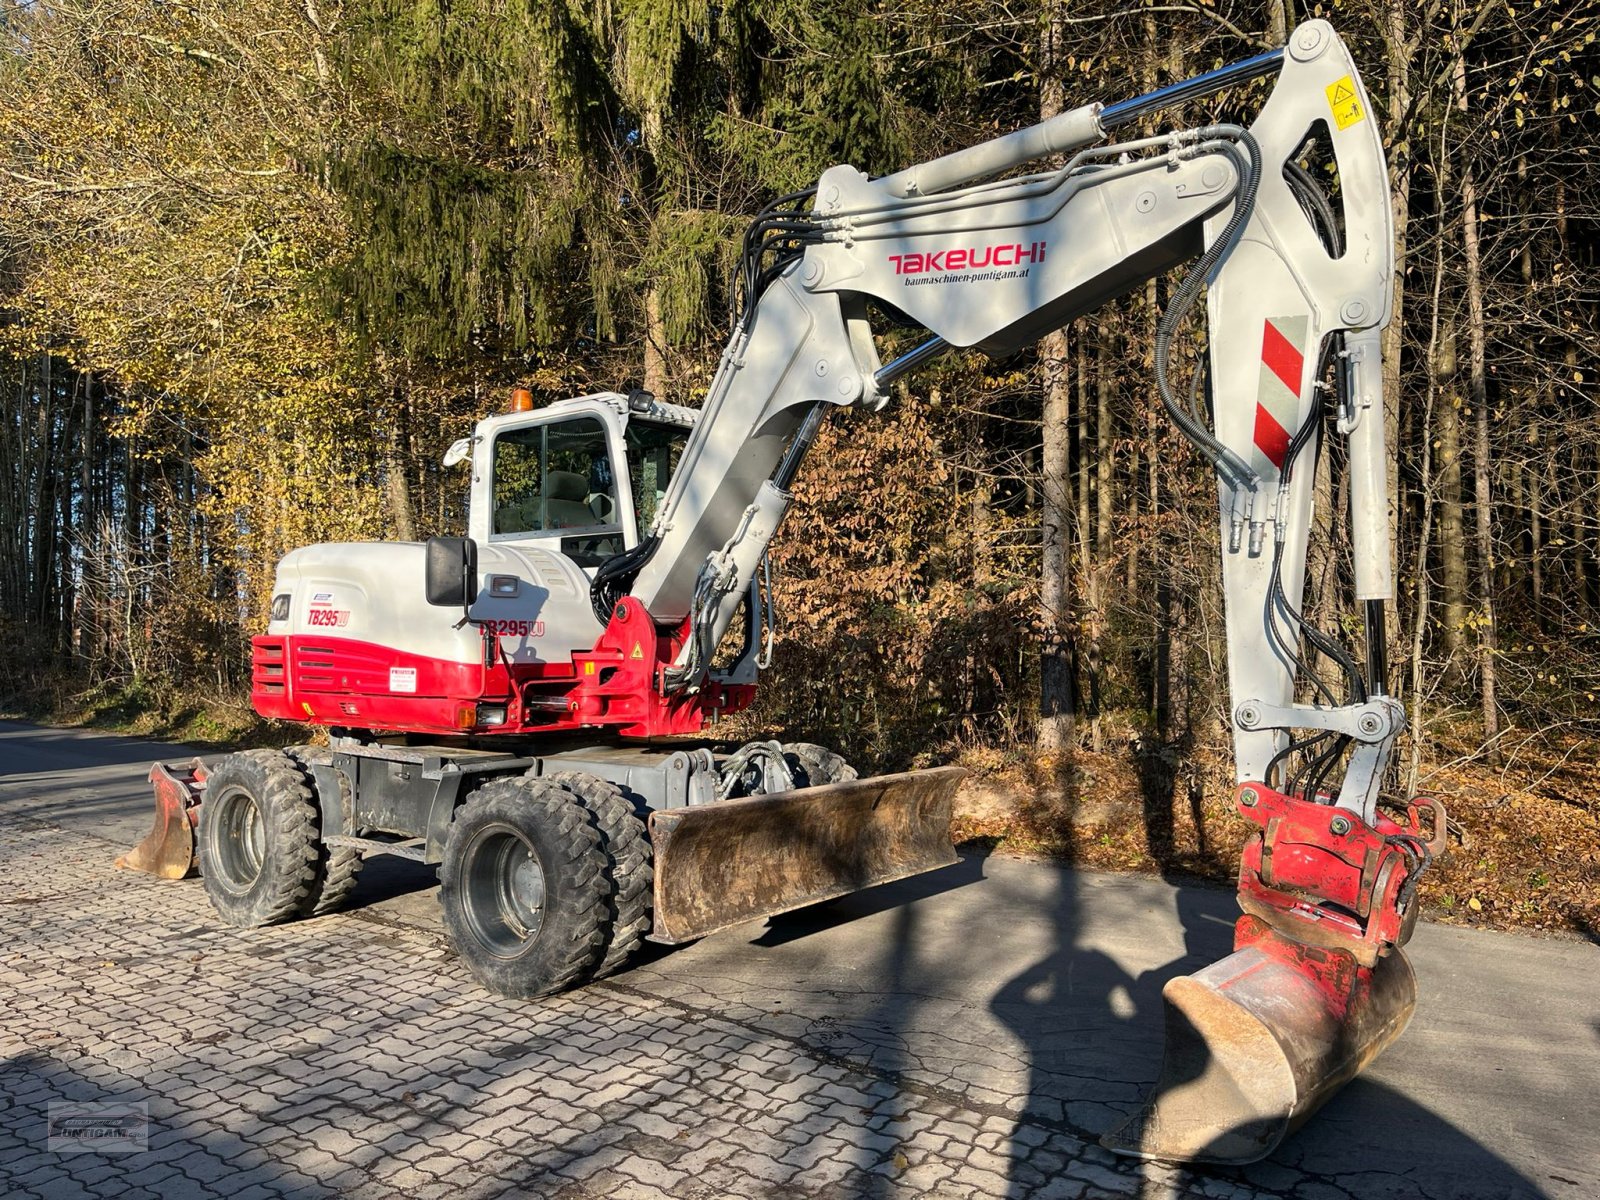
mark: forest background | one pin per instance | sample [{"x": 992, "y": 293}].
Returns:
[{"x": 261, "y": 261}]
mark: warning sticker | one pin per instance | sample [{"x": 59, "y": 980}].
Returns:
[
  {"x": 402, "y": 679},
  {"x": 638, "y": 651},
  {"x": 1345, "y": 103}
]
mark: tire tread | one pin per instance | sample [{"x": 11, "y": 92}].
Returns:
[
  {"x": 339, "y": 867},
  {"x": 289, "y": 815},
  {"x": 565, "y": 960},
  {"x": 630, "y": 869}
]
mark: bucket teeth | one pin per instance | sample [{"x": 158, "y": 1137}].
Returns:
[{"x": 1256, "y": 1042}]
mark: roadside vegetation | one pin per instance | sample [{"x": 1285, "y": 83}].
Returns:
[{"x": 263, "y": 260}]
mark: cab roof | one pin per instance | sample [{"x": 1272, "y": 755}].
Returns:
[{"x": 655, "y": 410}]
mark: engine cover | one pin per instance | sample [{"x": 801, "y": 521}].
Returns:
[{"x": 357, "y": 644}]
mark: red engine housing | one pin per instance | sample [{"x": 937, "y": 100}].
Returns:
[{"x": 329, "y": 680}]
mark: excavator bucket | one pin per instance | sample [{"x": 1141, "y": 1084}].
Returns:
[
  {"x": 733, "y": 861},
  {"x": 1257, "y": 1041},
  {"x": 168, "y": 850}
]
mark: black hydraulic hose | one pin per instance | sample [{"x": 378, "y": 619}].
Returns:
[
  {"x": 1316, "y": 204},
  {"x": 1322, "y": 765},
  {"x": 1293, "y": 745},
  {"x": 1238, "y": 473},
  {"x": 782, "y": 227},
  {"x": 614, "y": 578}
]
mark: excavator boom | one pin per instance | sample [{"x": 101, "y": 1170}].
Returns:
[{"x": 1297, "y": 272}]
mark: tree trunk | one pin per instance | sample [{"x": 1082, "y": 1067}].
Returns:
[
  {"x": 1056, "y": 692},
  {"x": 1056, "y": 696},
  {"x": 1105, "y": 445},
  {"x": 397, "y": 483},
  {"x": 1419, "y": 629},
  {"x": 1482, "y": 466},
  {"x": 655, "y": 342},
  {"x": 1452, "y": 525},
  {"x": 1400, "y": 44},
  {"x": 1277, "y": 22},
  {"x": 1088, "y": 561}
]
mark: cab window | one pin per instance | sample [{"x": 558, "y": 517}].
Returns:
[
  {"x": 551, "y": 478},
  {"x": 653, "y": 454}
]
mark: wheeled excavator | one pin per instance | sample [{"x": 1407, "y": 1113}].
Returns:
[{"x": 515, "y": 705}]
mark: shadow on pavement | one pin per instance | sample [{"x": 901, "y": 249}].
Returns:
[
  {"x": 1091, "y": 1027},
  {"x": 388, "y": 877}
]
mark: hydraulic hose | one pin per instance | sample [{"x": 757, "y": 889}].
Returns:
[{"x": 1238, "y": 473}]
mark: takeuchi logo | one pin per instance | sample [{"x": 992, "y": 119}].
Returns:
[{"x": 1006, "y": 254}]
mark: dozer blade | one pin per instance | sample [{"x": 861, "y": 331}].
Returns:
[
  {"x": 168, "y": 850},
  {"x": 1257, "y": 1041},
  {"x": 733, "y": 861}
]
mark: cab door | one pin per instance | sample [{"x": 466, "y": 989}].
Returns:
[{"x": 557, "y": 484}]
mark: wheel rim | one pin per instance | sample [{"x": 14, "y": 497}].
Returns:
[
  {"x": 241, "y": 841},
  {"x": 503, "y": 890}
]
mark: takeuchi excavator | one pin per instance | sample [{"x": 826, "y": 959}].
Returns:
[{"x": 515, "y": 705}]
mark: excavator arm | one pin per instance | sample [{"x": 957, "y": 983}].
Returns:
[
  {"x": 1294, "y": 280},
  {"x": 1297, "y": 281}
]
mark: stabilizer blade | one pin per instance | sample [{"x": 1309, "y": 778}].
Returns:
[{"x": 721, "y": 864}]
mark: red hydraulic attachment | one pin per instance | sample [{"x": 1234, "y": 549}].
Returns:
[
  {"x": 1315, "y": 989},
  {"x": 168, "y": 850},
  {"x": 1322, "y": 876}
]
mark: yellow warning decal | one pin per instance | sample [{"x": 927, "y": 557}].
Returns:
[
  {"x": 588, "y": 668},
  {"x": 307, "y": 707},
  {"x": 1345, "y": 102},
  {"x": 638, "y": 651}
]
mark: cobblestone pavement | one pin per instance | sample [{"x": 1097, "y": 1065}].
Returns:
[
  {"x": 340, "y": 1057},
  {"x": 353, "y": 1056}
]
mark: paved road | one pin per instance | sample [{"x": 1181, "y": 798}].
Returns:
[{"x": 962, "y": 1035}]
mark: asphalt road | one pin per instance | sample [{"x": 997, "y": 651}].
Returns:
[{"x": 1014, "y": 993}]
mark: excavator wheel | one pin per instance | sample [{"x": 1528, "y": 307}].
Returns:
[
  {"x": 523, "y": 887},
  {"x": 629, "y": 873},
  {"x": 338, "y": 867},
  {"x": 813, "y": 765},
  {"x": 259, "y": 849}
]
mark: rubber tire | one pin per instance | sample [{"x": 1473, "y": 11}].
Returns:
[
  {"x": 813, "y": 765},
  {"x": 338, "y": 867},
  {"x": 630, "y": 866},
  {"x": 291, "y": 849},
  {"x": 571, "y": 935}
]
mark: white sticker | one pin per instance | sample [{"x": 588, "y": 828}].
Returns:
[{"x": 402, "y": 679}]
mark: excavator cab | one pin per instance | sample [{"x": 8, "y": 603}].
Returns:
[{"x": 583, "y": 476}]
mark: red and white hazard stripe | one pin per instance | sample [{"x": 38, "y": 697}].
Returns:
[{"x": 1283, "y": 362}]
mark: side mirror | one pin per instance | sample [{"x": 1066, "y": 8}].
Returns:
[{"x": 451, "y": 573}]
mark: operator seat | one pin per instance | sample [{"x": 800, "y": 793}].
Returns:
[
  {"x": 560, "y": 506},
  {"x": 565, "y": 492}
]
